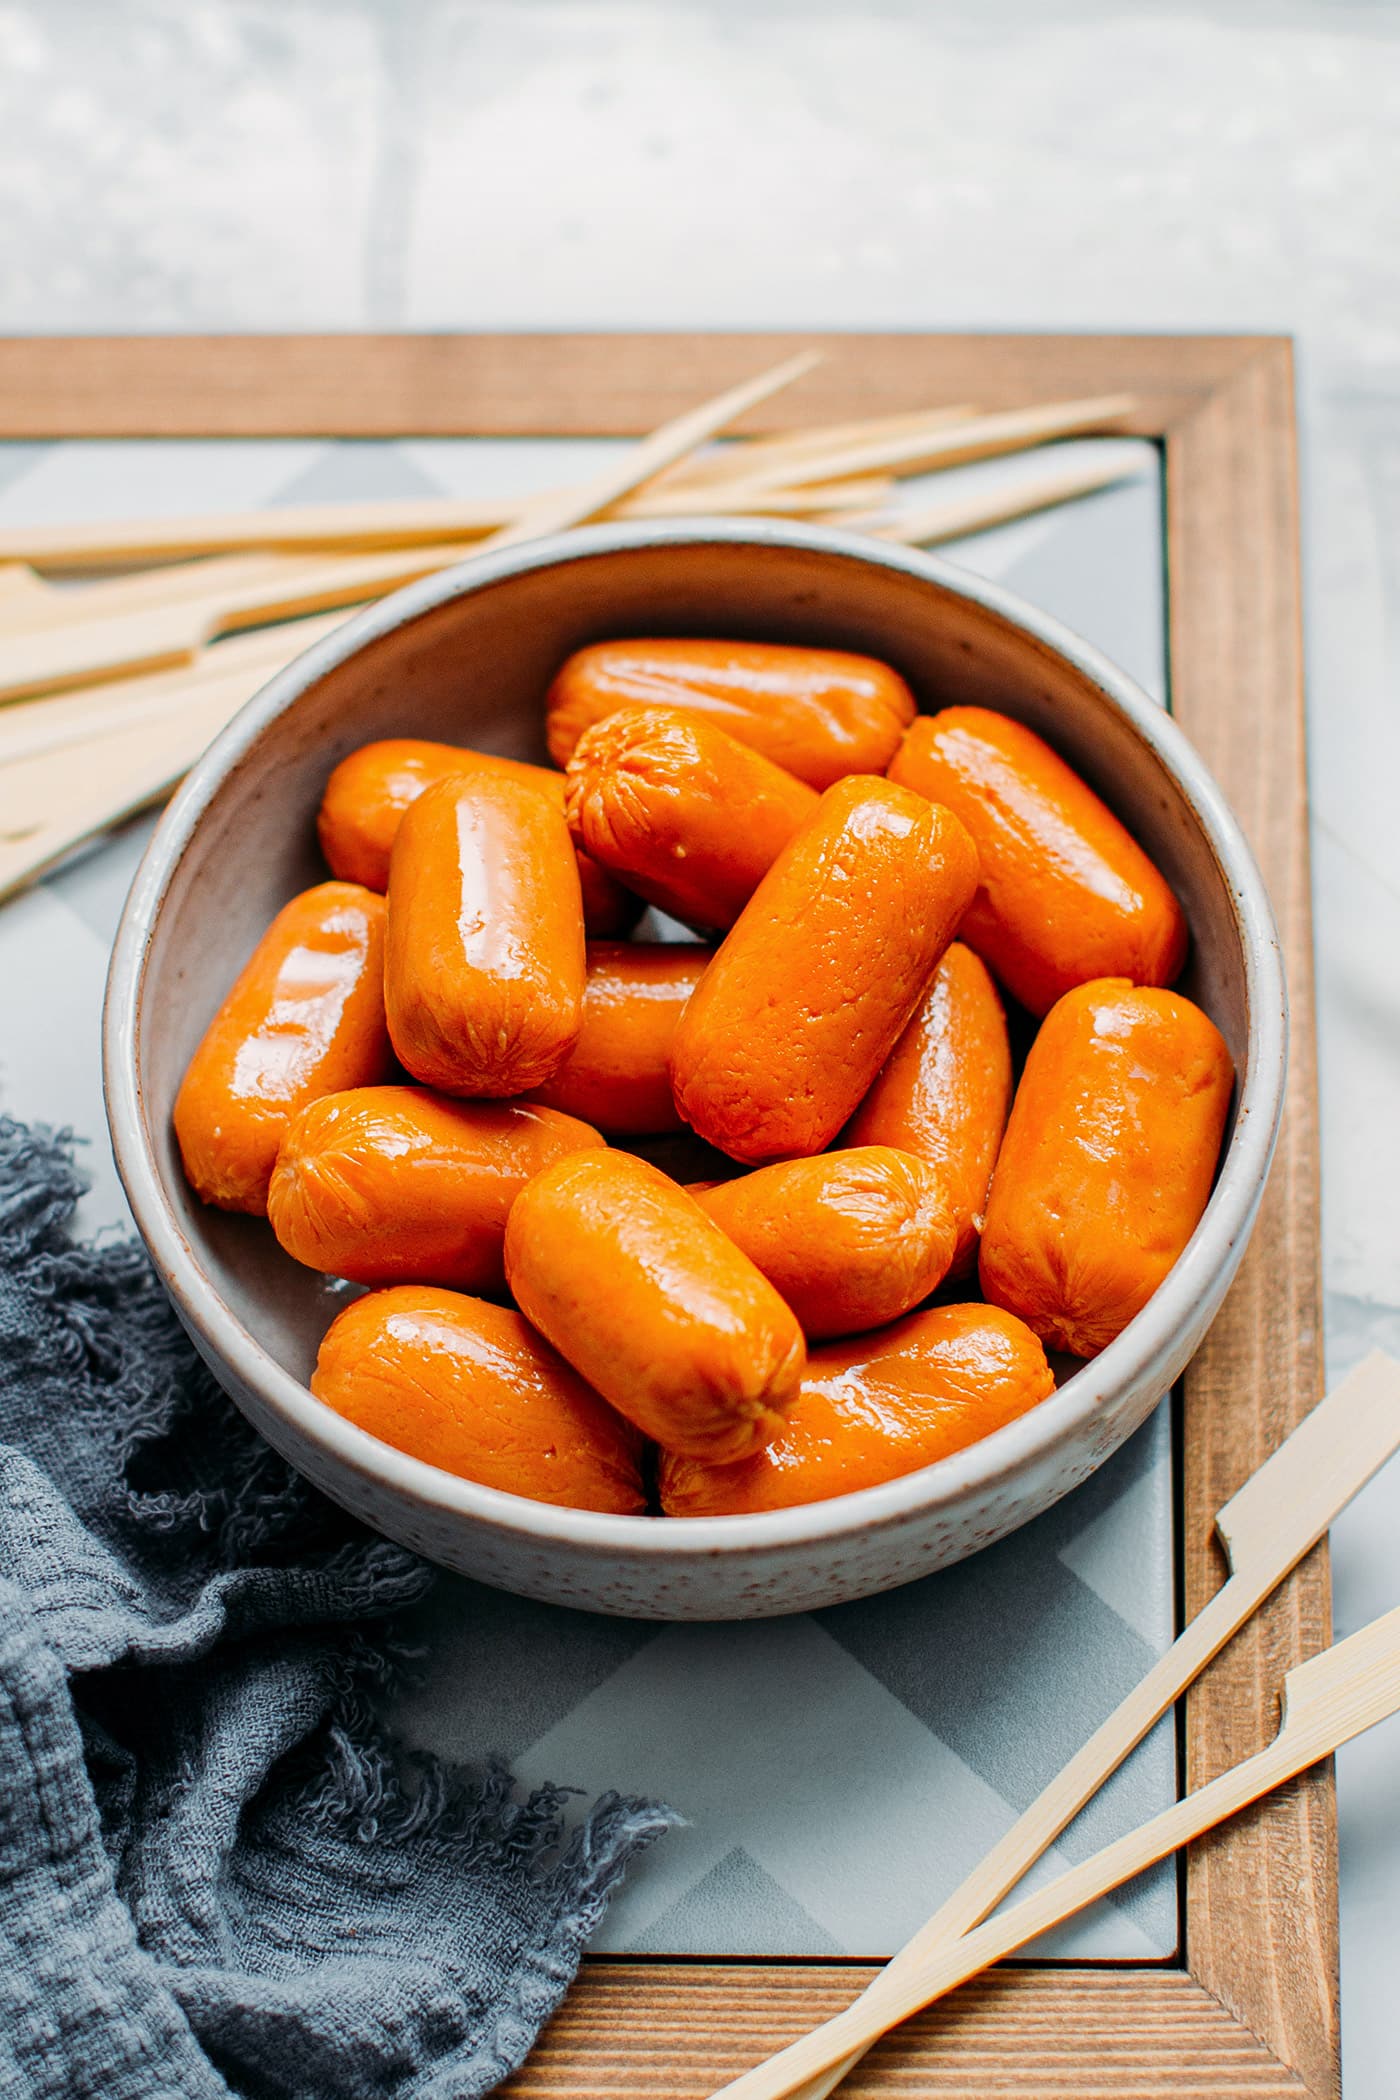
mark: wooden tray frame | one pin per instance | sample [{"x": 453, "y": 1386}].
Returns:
[{"x": 1252, "y": 2009}]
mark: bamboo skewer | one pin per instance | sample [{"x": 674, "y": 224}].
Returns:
[
  {"x": 798, "y": 447},
  {"x": 558, "y": 509},
  {"x": 94, "y": 785},
  {"x": 770, "y": 471},
  {"x": 209, "y": 599},
  {"x": 20, "y": 588},
  {"x": 981, "y": 437},
  {"x": 325, "y": 528},
  {"x": 733, "y": 497},
  {"x": 156, "y": 629},
  {"x": 110, "y": 706},
  {"x": 30, "y": 726},
  {"x": 59, "y": 719},
  {"x": 28, "y": 603},
  {"x": 234, "y": 591},
  {"x": 319, "y": 528},
  {"x": 237, "y": 666},
  {"x": 80, "y": 792},
  {"x": 1041, "y": 487},
  {"x": 45, "y": 606},
  {"x": 396, "y": 521},
  {"x": 228, "y": 672},
  {"x": 1326, "y": 1702},
  {"x": 1277, "y": 1517}
]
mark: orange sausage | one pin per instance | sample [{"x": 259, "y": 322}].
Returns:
[
  {"x": 484, "y": 960},
  {"x": 688, "y": 817},
  {"x": 305, "y": 1017},
  {"x": 850, "y": 1239},
  {"x": 821, "y": 713},
  {"x": 1107, "y": 1161},
  {"x": 616, "y": 1075},
  {"x": 623, "y": 1272},
  {"x": 944, "y": 1091},
  {"x": 393, "y": 1184},
  {"x": 873, "y": 1409},
  {"x": 471, "y": 1388},
  {"x": 369, "y": 791},
  {"x": 812, "y": 988},
  {"x": 1067, "y": 894}
]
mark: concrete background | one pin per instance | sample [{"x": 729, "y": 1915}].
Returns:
[{"x": 1233, "y": 164}]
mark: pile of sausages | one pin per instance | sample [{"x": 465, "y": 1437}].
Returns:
[{"x": 440, "y": 1073}]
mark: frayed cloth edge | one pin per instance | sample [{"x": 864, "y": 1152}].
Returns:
[{"x": 595, "y": 1861}]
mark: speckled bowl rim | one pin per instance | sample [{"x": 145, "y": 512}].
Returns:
[{"x": 1007, "y": 1452}]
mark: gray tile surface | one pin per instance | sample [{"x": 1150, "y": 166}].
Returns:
[
  {"x": 840, "y": 1773},
  {"x": 1184, "y": 164}
]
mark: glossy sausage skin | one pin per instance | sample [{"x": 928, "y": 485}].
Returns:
[
  {"x": 623, "y": 1272},
  {"x": 470, "y": 1387},
  {"x": 814, "y": 985},
  {"x": 1107, "y": 1161},
  {"x": 616, "y": 1076},
  {"x": 682, "y": 813},
  {"x": 850, "y": 1239},
  {"x": 821, "y": 713},
  {"x": 484, "y": 959},
  {"x": 369, "y": 791},
  {"x": 944, "y": 1091},
  {"x": 394, "y": 1184},
  {"x": 305, "y": 1017},
  {"x": 1066, "y": 894},
  {"x": 873, "y": 1409}
]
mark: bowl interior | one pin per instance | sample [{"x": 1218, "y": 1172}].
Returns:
[{"x": 473, "y": 667}]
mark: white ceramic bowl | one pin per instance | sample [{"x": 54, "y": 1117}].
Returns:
[{"x": 466, "y": 656}]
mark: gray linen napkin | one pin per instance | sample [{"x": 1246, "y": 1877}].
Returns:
[{"x": 215, "y": 1875}]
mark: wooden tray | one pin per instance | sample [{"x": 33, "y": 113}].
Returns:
[{"x": 1253, "y": 2009}]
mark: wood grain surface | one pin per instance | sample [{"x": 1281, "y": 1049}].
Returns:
[
  {"x": 675, "y": 2031},
  {"x": 566, "y": 385},
  {"x": 1269, "y": 1882},
  {"x": 1253, "y": 2011}
]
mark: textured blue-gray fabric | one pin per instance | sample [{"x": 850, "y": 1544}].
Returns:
[{"x": 215, "y": 1875}]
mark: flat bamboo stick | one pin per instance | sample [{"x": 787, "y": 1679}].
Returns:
[
  {"x": 56, "y": 799},
  {"x": 147, "y": 636},
  {"x": 19, "y": 586},
  {"x": 785, "y": 463},
  {"x": 237, "y": 666},
  {"x": 1276, "y": 1518},
  {"x": 27, "y": 601},
  {"x": 319, "y": 528},
  {"x": 741, "y": 458},
  {"x": 136, "y": 632},
  {"x": 100, "y": 543},
  {"x": 1043, "y": 484},
  {"x": 122, "y": 773},
  {"x": 732, "y": 497},
  {"x": 556, "y": 510},
  {"x": 43, "y": 605},
  {"x": 72, "y": 764},
  {"x": 981, "y": 437},
  {"x": 57, "y": 718},
  {"x": 354, "y": 526},
  {"x": 1327, "y": 1702},
  {"x": 399, "y": 522}
]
